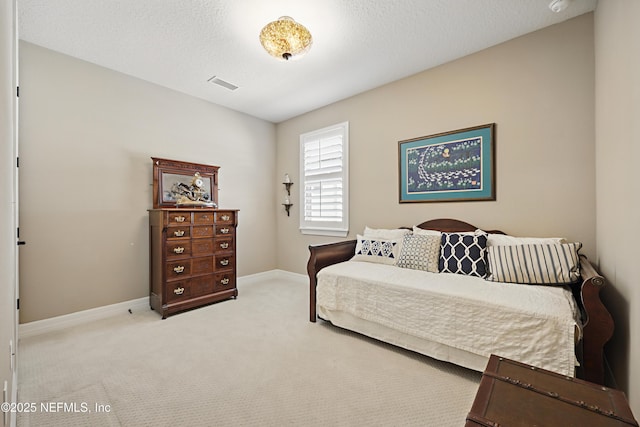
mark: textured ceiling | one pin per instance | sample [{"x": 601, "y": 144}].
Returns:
[{"x": 358, "y": 44}]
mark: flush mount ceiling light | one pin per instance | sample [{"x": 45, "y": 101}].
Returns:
[
  {"x": 285, "y": 38},
  {"x": 559, "y": 5}
]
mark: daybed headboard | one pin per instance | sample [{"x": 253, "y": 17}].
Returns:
[{"x": 449, "y": 225}]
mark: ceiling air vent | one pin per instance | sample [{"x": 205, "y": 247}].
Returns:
[{"x": 220, "y": 82}]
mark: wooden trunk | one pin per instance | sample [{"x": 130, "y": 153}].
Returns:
[{"x": 516, "y": 394}]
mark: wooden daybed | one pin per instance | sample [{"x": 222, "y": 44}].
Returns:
[{"x": 597, "y": 323}]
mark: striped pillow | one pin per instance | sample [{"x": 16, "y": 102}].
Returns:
[{"x": 553, "y": 264}]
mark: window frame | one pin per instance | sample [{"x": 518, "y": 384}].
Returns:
[{"x": 326, "y": 228}]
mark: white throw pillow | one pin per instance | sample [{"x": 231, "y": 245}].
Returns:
[
  {"x": 506, "y": 240},
  {"x": 422, "y": 232},
  {"x": 383, "y": 233},
  {"x": 374, "y": 249}
]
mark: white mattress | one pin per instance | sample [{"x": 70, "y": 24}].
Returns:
[{"x": 452, "y": 317}]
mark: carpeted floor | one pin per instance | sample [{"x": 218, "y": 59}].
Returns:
[{"x": 254, "y": 361}]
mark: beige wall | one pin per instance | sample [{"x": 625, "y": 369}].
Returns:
[
  {"x": 87, "y": 135},
  {"x": 7, "y": 199},
  {"x": 538, "y": 89},
  {"x": 617, "y": 47}
]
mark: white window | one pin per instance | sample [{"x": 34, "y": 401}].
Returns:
[{"x": 324, "y": 166}]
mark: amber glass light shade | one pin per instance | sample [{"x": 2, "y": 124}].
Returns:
[{"x": 285, "y": 38}]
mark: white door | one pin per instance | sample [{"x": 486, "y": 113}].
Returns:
[
  {"x": 8, "y": 207},
  {"x": 15, "y": 180},
  {"x": 16, "y": 281}
]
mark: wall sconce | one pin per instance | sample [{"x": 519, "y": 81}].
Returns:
[{"x": 287, "y": 185}]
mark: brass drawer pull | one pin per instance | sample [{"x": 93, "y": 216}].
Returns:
[
  {"x": 179, "y": 269},
  {"x": 224, "y": 245},
  {"x": 180, "y": 218},
  {"x": 226, "y": 217},
  {"x": 178, "y": 233},
  {"x": 178, "y": 250},
  {"x": 178, "y": 291},
  {"x": 224, "y": 230},
  {"x": 224, "y": 262},
  {"x": 225, "y": 281}
]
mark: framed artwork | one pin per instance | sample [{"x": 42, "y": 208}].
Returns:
[
  {"x": 448, "y": 167},
  {"x": 175, "y": 181}
]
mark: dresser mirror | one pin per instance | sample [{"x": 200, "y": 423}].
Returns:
[{"x": 176, "y": 182}]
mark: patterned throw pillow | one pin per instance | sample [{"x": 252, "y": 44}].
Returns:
[
  {"x": 376, "y": 250},
  {"x": 551, "y": 264},
  {"x": 463, "y": 253},
  {"x": 420, "y": 252}
]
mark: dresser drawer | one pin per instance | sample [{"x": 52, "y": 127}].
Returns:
[
  {"x": 224, "y": 230},
  {"x": 179, "y": 218},
  {"x": 182, "y": 232},
  {"x": 178, "y": 269},
  {"x": 178, "y": 291},
  {"x": 202, "y": 265},
  {"x": 224, "y": 281},
  {"x": 192, "y": 257},
  {"x": 178, "y": 249},
  {"x": 202, "y": 285},
  {"x": 224, "y": 217},
  {"x": 202, "y": 231},
  {"x": 225, "y": 262},
  {"x": 202, "y": 247},
  {"x": 224, "y": 244},
  {"x": 203, "y": 217}
]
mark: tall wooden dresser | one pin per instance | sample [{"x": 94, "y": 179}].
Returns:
[{"x": 192, "y": 257}]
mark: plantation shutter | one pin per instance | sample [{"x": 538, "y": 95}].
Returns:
[{"x": 323, "y": 192}]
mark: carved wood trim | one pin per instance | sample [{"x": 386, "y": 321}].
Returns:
[
  {"x": 598, "y": 324},
  {"x": 323, "y": 256},
  {"x": 448, "y": 225},
  {"x": 162, "y": 166}
]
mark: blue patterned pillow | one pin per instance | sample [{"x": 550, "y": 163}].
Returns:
[
  {"x": 383, "y": 251},
  {"x": 463, "y": 254}
]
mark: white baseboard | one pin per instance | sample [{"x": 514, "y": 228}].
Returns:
[
  {"x": 288, "y": 275},
  {"x": 272, "y": 275},
  {"x": 13, "y": 418},
  {"x": 68, "y": 320},
  {"x": 257, "y": 277}
]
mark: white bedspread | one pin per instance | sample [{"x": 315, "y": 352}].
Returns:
[{"x": 531, "y": 324}]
